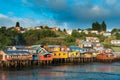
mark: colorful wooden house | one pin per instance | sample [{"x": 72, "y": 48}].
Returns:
[
  {"x": 116, "y": 55},
  {"x": 44, "y": 55},
  {"x": 60, "y": 54},
  {"x": 87, "y": 55},
  {"x": 102, "y": 51},
  {"x": 52, "y": 48},
  {"x": 86, "y": 45},
  {"x": 105, "y": 56},
  {"x": 74, "y": 54},
  {"x": 15, "y": 55},
  {"x": 75, "y": 51},
  {"x": 92, "y": 39},
  {"x": 98, "y": 46}
]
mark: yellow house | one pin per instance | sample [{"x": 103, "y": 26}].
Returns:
[
  {"x": 60, "y": 54},
  {"x": 74, "y": 54}
]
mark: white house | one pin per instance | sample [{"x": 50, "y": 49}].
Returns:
[
  {"x": 115, "y": 42},
  {"x": 107, "y": 34},
  {"x": 86, "y": 31},
  {"x": 94, "y": 32},
  {"x": 92, "y": 39},
  {"x": 69, "y": 32}
]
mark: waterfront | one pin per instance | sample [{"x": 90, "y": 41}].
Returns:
[{"x": 88, "y": 71}]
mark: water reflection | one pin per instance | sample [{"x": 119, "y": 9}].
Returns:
[
  {"x": 3, "y": 76},
  {"x": 66, "y": 72}
]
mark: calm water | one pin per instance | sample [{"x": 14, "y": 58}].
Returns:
[{"x": 92, "y": 71}]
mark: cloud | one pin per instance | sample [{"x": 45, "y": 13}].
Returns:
[
  {"x": 67, "y": 13},
  {"x": 111, "y": 2},
  {"x": 10, "y": 21},
  {"x": 26, "y": 22},
  {"x": 70, "y": 10}
]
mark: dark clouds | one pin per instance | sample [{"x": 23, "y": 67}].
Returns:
[{"x": 74, "y": 13}]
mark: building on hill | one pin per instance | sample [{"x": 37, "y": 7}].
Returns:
[
  {"x": 86, "y": 45},
  {"x": 106, "y": 34},
  {"x": 54, "y": 29},
  {"x": 38, "y": 28},
  {"x": 86, "y": 31},
  {"x": 98, "y": 46},
  {"x": 92, "y": 39},
  {"x": 18, "y": 28},
  {"x": 94, "y": 32},
  {"x": 102, "y": 32},
  {"x": 115, "y": 42},
  {"x": 69, "y": 32}
]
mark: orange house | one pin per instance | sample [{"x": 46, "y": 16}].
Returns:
[
  {"x": 105, "y": 56},
  {"x": 46, "y": 57}
]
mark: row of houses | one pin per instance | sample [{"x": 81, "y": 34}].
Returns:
[{"x": 106, "y": 34}]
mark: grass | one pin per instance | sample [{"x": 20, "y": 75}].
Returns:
[
  {"x": 116, "y": 49},
  {"x": 61, "y": 34}
]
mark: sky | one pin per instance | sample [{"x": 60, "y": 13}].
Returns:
[{"x": 69, "y": 14}]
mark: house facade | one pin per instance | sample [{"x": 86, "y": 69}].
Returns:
[
  {"x": 69, "y": 32},
  {"x": 15, "y": 55},
  {"x": 92, "y": 39},
  {"x": 107, "y": 34},
  {"x": 115, "y": 42}
]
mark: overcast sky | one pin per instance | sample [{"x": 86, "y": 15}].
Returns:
[{"x": 69, "y": 14}]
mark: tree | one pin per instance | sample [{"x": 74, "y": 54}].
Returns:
[
  {"x": 99, "y": 27},
  {"x": 103, "y": 26},
  {"x": 59, "y": 29},
  {"x": 64, "y": 30},
  {"x": 46, "y": 27},
  {"x": 96, "y": 26},
  {"x": 79, "y": 29},
  {"x": 117, "y": 36},
  {"x": 17, "y": 24}
]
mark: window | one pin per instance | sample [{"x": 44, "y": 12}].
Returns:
[
  {"x": 1, "y": 56},
  {"x": 59, "y": 54}
]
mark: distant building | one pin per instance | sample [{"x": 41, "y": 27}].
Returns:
[
  {"x": 18, "y": 28},
  {"x": 94, "y": 32},
  {"x": 115, "y": 42},
  {"x": 54, "y": 29},
  {"x": 79, "y": 31},
  {"x": 37, "y": 28},
  {"x": 85, "y": 44},
  {"x": 98, "y": 46},
  {"x": 102, "y": 32},
  {"x": 92, "y": 39},
  {"x": 69, "y": 32},
  {"x": 86, "y": 31},
  {"x": 107, "y": 34}
]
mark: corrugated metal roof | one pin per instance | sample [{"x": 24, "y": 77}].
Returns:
[
  {"x": 76, "y": 48},
  {"x": 16, "y": 52}
]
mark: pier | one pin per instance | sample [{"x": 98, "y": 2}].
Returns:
[{"x": 14, "y": 64}]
